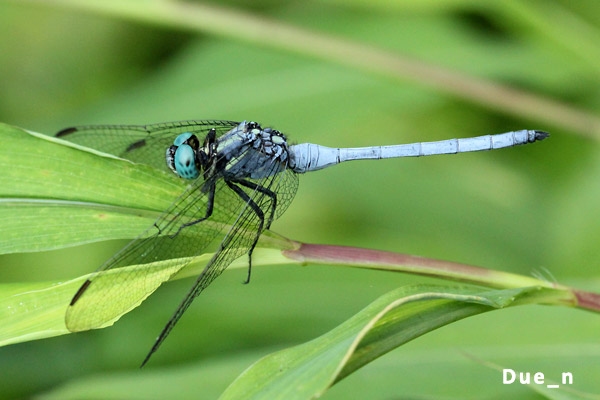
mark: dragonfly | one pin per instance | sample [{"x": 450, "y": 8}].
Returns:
[{"x": 241, "y": 178}]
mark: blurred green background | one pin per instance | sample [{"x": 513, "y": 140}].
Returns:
[{"x": 526, "y": 210}]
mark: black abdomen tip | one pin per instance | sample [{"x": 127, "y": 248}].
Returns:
[{"x": 541, "y": 135}]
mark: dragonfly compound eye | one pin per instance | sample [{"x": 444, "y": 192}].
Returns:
[
  {"x": 185, "y": 162},
  {"x": 181, "y": 139}
]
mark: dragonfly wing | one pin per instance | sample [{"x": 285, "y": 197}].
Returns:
[
  {"x": 242, "y": 209},
  {"x": 144, "y": 144},
  {"x": 241, "y": 237},
  {"x": 125, "y": 280}
]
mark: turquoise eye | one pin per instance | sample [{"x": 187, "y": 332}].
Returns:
[
  {"x": 185, "y": 161},
  {"x": 181, "y": 139}
]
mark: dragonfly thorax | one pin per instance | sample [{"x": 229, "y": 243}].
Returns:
[{"x": 248, "y": 151}]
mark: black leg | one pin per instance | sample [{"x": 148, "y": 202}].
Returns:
[
  {"x": 257, "y": 210},
  {"x": 267, "y": 192},
  {"x": 210, "y": 202}
]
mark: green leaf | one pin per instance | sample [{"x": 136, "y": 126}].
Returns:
[
  {"x": 54, "y": 194},
  {"x": 308, "y": 370},
  {"x": 53, "y": 199},
  {"x": 36, "y": 310}
]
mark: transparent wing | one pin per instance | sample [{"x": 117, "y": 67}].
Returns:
[
  {"x": 176, "y": 238},
  {"x": 132, "y": 274},
  {"x": 242, "y": 236},
  {"x": 145, "y": 144},
  {"x": 139, "y": 268}
]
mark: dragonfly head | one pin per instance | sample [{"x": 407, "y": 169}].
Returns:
[{"x": 181, "y": 156}]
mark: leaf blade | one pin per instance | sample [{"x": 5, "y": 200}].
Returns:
[
  {"x": 59, "y": 185},
  {"x": 308, "y": 370}
]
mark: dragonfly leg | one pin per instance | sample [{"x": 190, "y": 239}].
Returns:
[
  {"x": 267, "y": 192},
  {"x": 257, "y": 210},
  {"x": 210, "y": 201}
]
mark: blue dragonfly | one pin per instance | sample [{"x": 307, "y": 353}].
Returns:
[{"x": 242, "y": 177}]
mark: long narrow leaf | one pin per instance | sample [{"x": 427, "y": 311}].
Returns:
[
  {"x": 61, "y": 195},
  {"x": 308, "y": 370}
]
